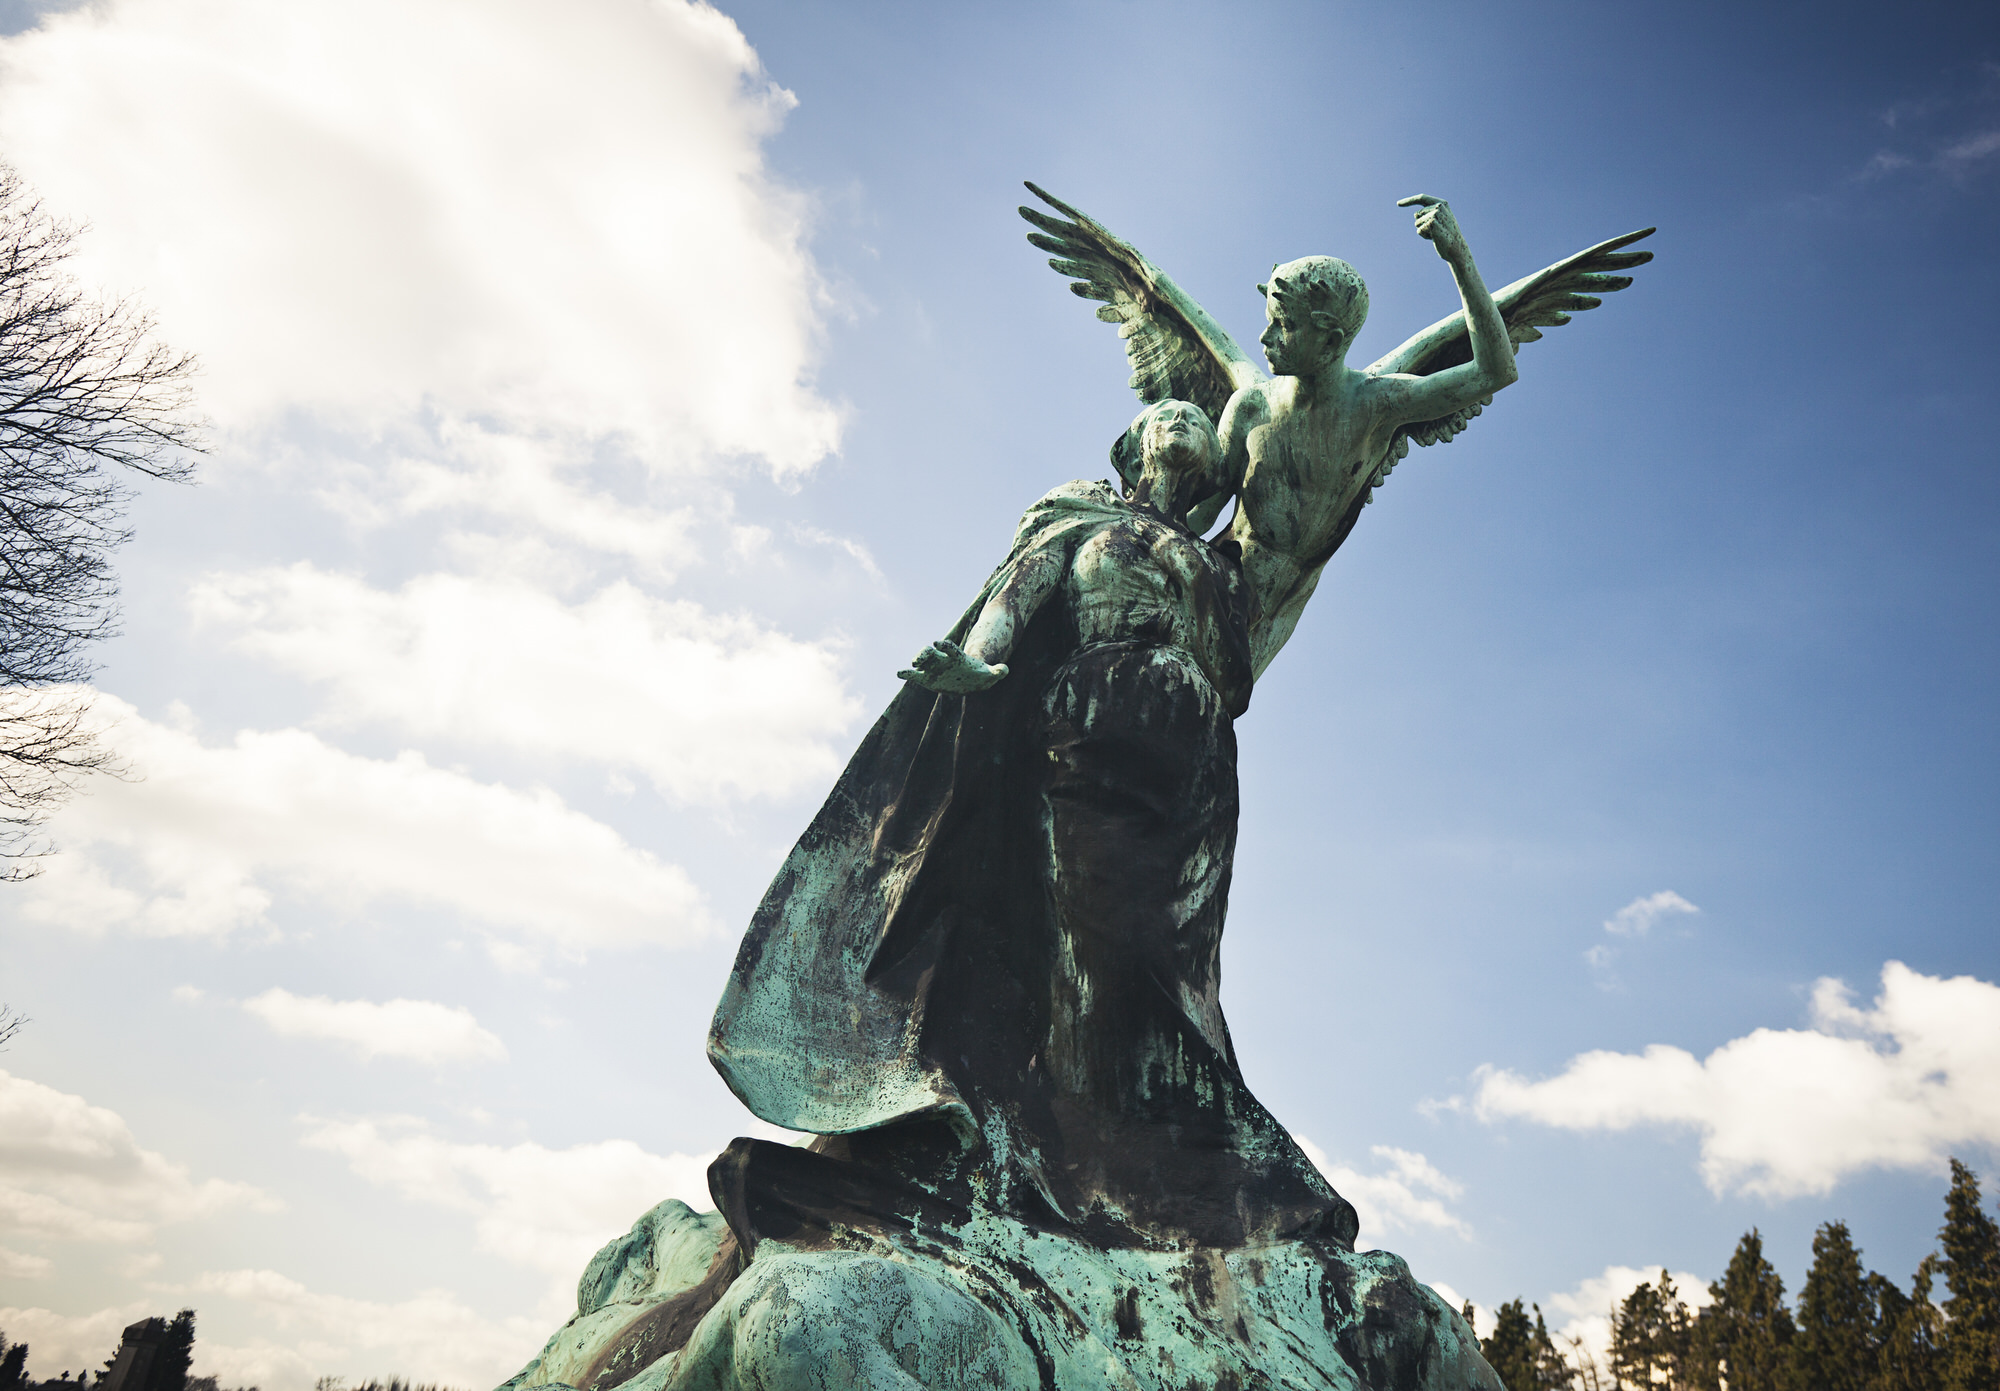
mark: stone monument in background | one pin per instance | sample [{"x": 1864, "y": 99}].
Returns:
[{"x": 986, "y": 980}]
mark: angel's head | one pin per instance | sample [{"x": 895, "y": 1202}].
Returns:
[
  {"x": 1315, "y": 306},
  {"x": 1170, "y": 456}
]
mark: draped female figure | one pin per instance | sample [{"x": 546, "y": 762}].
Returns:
[{"x": 989, "y": 973}]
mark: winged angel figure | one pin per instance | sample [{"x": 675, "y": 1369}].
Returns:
[{"x": 1305, "y": 449}]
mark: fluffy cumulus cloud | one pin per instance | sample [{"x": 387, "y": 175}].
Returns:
[
  {"x": 530, "y": 501},
  {"x": 500, "y": 287},
  {"x": 1785, "y": 1112},
  {"x": 431, "y": 1337},
  {"x": 556, "y": 219},
  {"x": 533, "y": 1206},
  {"x": 419, "y": 1030},
  {"x": 71, "y": 1171},
  {"x": 59, "y": 1342},
  {"x": 1581, "y": 1317},
  {"x": 199, "y": 841},
  {"x": 706, "y": 706},
  {"x": 1408, "y": 1192}
]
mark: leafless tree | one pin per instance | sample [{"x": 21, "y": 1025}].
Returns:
[
  {"x": 10, "y": 1024},
  {"x": 1586, "y": 1372},
  {"x": 87, "y": 397}
]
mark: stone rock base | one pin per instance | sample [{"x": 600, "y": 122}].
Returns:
[{"x": 996, "y": 1303}]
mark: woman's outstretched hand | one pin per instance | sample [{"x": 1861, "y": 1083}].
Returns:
[{"x": 946, "y": 667}]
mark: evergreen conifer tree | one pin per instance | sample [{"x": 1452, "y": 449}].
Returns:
[
  {"x": 1835, "y": 1347},
  {"x": 1650, "y": 1334},
  {"x": 13, "y": 1365},
  {"x": 1745, "y": 1336},
  {"x": 170, "y": 1368},
  {"x": 1908, "y": 1331},
  {"x": 1971, "y": 1269},
  {"x": 1523, "y": 1353}
]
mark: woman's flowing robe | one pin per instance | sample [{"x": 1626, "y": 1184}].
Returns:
[{"x": 988, "y": 973}]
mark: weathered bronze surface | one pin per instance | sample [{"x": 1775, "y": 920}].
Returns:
[{"x": 987, "y": 977}]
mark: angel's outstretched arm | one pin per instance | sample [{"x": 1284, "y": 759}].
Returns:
[
  {"x": 946, "y": 666},
  {"x": 1492, "y": 366}
]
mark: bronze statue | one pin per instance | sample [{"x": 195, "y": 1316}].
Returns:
[{"x": 986, "y": 980}]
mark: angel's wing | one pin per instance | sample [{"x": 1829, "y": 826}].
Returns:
[
  {"x": 1177, "y": 352},
  {"x": 1545, "y": 299}
]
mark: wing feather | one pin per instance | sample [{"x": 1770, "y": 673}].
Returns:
[{"x": 1176, "y": 351}]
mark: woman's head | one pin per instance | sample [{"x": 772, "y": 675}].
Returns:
[{"x": 1176, "y": 443}]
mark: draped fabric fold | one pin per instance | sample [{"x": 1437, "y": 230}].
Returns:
[{"x": 988, "y": 973}]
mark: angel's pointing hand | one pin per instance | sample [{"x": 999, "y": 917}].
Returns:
[{"x": 1436, "y": 225}]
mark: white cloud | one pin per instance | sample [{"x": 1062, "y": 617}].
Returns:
[
  {"x": 546, "y": 484},
  {"x": 1588, "y": 1306},
  {"x": 430, "y": 1337},
  {"x": 1972, "y": 147},
  {"x": 1635, "y": 919},
  {"x": 1409, "y": 1194},
  {"x": 19, "y": 1265},
  {"x": 1884, "y": 162},
  {"x": 71, "y": 1342},
  {"x": 550, "y": 218},
  {"x": 708, "y": 707},
  {"x": 433, "y": 1336},
  {"x": 71, "y": 1171},
  {"x": 420, "y": 1030},
  {"x": 197, "y": 845},
  {"x": 537, "y": 1207},
  {"x": 1784, "y": 1112},
  {"x": 1638, "y": 917},
  {"x": 846, "y": 545}
]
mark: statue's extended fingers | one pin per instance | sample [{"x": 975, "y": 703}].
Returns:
[
  {"x": 907, "y": 675},
  {"x": 1422, "y": 199}
]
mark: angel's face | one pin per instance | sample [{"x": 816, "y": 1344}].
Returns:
[{"x": 1293, "y": 344}]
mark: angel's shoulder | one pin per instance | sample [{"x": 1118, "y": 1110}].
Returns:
[
  {"x": 1256, "y": 399},
  {"x": 1249, "y": 406}
]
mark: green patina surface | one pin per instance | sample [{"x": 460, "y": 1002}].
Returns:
[
  {"x": 997, "y": 1303},
  {"x": 809, "y": 1040}
]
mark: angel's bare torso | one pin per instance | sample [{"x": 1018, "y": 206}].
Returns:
[{"x": 1306, "y": 452}]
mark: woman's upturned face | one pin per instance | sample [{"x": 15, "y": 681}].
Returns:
[{"x": 1178, "y": 439}]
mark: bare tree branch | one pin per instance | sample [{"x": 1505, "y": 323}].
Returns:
[{"x": 86, "y": 394}]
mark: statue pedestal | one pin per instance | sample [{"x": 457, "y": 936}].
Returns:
[{"x": 993, "y": 1302}]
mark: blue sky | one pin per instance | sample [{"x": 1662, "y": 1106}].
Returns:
[{"x": 609, "y": 400}]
